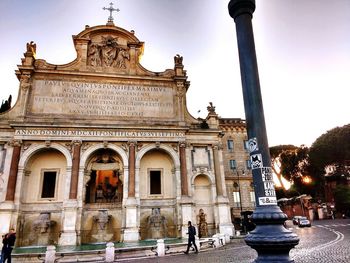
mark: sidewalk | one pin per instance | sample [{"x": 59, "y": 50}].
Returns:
[{"x": 128, "y": 254}]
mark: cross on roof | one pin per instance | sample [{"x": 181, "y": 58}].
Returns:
[{"x": 110, "y": 9}]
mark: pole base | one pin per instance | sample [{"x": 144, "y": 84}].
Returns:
[{"x": 270, "y": 238}]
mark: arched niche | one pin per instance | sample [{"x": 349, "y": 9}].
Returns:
[
  {"x": 104, "y": 177},
  {"x": 44, "y": 171},
  {"x": 202, "y": 197}
]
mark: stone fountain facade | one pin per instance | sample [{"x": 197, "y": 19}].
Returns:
[{"x": 101, "y": 149}]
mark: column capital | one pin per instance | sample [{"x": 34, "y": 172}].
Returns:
[
  {"x": 239, "y": 7},
  {"x": 217, "y": 146},
  {"x": 14, "y": 143},
  {"x": 76, "y": 143},
  {"x": 132, "y": 143},
  {"x": 183, "y": 144}
]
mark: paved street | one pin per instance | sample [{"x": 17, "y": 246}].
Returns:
[{"x": 326, "y": 241}]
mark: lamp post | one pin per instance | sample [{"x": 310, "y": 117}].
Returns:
[
  {"x": 270, "y": 238},
  {"x": 239, "y": 188}
]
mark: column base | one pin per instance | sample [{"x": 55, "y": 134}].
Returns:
[
  {"x": 69, "y": 235},
  {"x": 186, "y": 211},
  {"x": 68, "y": 238},
  {"x": 131, "y": 235},
  {"x": 131, "y": 232},
  {"x": 226, "y": 227},
  {"x": 228, "y": 230}
]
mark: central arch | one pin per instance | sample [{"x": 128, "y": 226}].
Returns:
[{"x": 102, "y": 180}]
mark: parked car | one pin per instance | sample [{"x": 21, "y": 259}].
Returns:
[
  {"x": 303, "y": 221},
  {"x": 296, "y": 220}
]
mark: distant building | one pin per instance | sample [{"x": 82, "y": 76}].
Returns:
[
  {"x": 238, "y": 174},
  {"x": 335, "y": 175},
  {"x": 102, "y": 149}
]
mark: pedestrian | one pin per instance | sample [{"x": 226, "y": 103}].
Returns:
[
  {"x": 8, "y": 242},
  {"x": 332, "y": 215},
  {"x": 191, "y": 237}
]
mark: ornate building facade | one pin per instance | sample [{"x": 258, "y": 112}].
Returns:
[{"x": 102, "y": 149}]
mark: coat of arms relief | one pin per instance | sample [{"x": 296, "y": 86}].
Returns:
[{"x": 107, "y": 53}]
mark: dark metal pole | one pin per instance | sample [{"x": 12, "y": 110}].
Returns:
[{"x": 270, "y": 238}]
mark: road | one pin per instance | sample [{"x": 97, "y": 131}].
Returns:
[{"x": 327, "y": 241}]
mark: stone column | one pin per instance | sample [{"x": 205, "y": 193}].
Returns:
[
  {"x": 218, "y": 180},
  {"x": 12, "y": 180},
  {"x": 222, "y": 203},
  {"x": 131, "y": 185},
  {"x": 186, "y": 200},
  {"x": 75, "y": 170},
  {"x": 70, "y": 209},
  {"x": 183, "y": 169},
  {"x": 131, "y": 232}
]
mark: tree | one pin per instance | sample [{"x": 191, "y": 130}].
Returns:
[
  {"x": 6, "y": 105},
  {"x": 290, "y": 163},
  {"x": 332, "y": 148},
  {"x": 342, "y": 199}
]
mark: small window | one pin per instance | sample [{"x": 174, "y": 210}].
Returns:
[
  {"x": 230, "y": 145},
  {"x": 232, "y": 164},
  {"x": 49, "y": 184},
  {"x": 252, "y": 197},
  {"x": 236, "y": 199},
  {"x": 155, "y": 182},
  {"x": 245, "y": 145}
]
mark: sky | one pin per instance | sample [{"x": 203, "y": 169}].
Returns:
[{"x": 303, "y": 53}]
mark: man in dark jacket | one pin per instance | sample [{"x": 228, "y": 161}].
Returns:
[
  {"x": 8, "y": 242},
  {"x": 191, "y": 237}
]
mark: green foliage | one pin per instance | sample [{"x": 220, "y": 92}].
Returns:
[
  {"x": 342, "y": 198},
  {"x": 331, "y": 148},
  {"x": 275, "y": 151},
  {"x": 292, "y": 160}
]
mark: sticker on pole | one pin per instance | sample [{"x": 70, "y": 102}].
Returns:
[
  {"x": 266, "y": 174},
  {"x": 267, "y": 200},
  {"x": 256, "y": 161},
  {"x": 270, "y": 192},
  {"x": 252, "y": 145},
  {"x": 268, "y": 185}
]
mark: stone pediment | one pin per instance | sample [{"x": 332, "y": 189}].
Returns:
[
  {"x": 105, "y": 49},
  {"x": 105, "y": 83}
]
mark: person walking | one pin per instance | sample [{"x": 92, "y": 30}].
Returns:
[
  {"x": 8, "y": 242},
  {"x": 191, "y": 237}
]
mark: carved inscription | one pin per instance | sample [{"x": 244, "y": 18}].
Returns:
[
  {"x": 113, "y": 134},
  {"x": 96, "y": 99}
]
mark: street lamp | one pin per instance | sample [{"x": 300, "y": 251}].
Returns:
[{"x": 270, "y": 238}]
